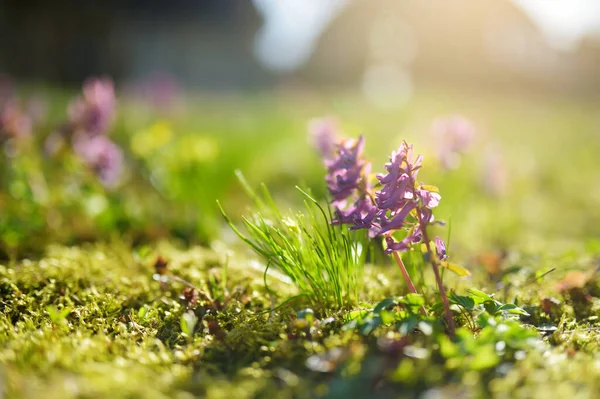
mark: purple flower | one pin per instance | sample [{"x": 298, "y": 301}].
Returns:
[
  {"x": 323, "y": 134},
  {"x": 14, "y": 121},
  {"x": 361, "y": 214},
  {"x": 401, "y": 203},
  {"x": 429, "y": 199},
  {"x": 347, "y": 181},
  {"x": 102, "y": 155},
  {"x": 440, "y": 248},
  {"x": 494, "y": 174},
  {"x": 397, "y": 220},
  {"x": 398, "y": 183},
  {"x": 453, "y": 136},
  {"x": 162, "y": 90},
  {"x": 404, "y": 244},
  {"x": 93, "y": 113},
  {"x": 346, "y": 170}
]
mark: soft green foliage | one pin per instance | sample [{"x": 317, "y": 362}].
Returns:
[
  {"x": 323, "y": 261},
  {"x": 84, "y": 314}
]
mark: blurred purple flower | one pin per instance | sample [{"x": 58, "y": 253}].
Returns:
[
  {"x": 14, "y": 121},
  {"x": 323, "y": 134},
  {"x": 101, "y": 155},
  {"x": 453, "y": 136},
  {"x": 162, "y": 90},
  {"x": 440, "y": 248},
  {"x": 93, "y": 113},
  {"x": 494, "y": 177}
]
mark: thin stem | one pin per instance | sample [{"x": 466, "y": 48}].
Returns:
[
  {"x": 409, "y": 283},
  {"x": 434, "y": 262},
  {"x": 448, "y": 312},
  {"x": 438, "y": 279},
  {"x": 411, "y": 286}
]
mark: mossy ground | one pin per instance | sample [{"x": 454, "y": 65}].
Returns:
[
  {"x": 122, "y": 337},
  {"x": 99, "y": 319}
]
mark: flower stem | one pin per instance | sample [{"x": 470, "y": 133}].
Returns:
[
  {"x": 409, "y": 283},
  {"x": 434, "y": 264},
  {"x": 440, "y": 284},
  {"x": 447, "y": 311}
]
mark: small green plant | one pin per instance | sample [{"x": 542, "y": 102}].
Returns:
[
  {"x": 58, "y": 317},
  {"x": 325, "y": 262},
  {"x": 188, "y": 322}
]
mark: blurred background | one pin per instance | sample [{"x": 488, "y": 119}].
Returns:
[
  {"x": 385, "y": 48},
  {"x": 205, "y": 87}
]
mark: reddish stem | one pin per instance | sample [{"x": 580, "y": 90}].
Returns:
[
  {"x": 411, "y": 286},
  {"x": 434, "y": 264},
  {"x": 409, "y": 283},
  {"x": 438, "y": 279}
]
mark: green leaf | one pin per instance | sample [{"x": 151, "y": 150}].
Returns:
[
  {"x": 386, "y": 303},
  {"x": 370, "y": 325},
  {"x": 187, "y": 322},
  {"x": 513, "y": 309},
  {"x": 491, "y": 306},
  {"x": 387, "y": 317},
  {"x": 484, "y": 358},
  {"x": 142, "y": 312},
  {"x": 357, "y": 315},
  {"x": 466, "y": 302},
  {"x": 58, "y": 316},
  {"x": 407, "y": 325},
  {"x": 415, "y": 300},
  {"x": 479, "y": 296},
  {"x": 448, "y": 349}
]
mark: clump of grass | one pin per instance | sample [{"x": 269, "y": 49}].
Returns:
[{"x": 325, "y": 262}]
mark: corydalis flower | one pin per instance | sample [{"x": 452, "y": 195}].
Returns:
[
  {"x": 398, "y": 190},
  {"x": 93, "y": 113},
  {"x": 440, "y": 249},
  {"x": 401, "y": 202},
  {"x": 346, "y": 169},
  {"x": 453, "y": 136},
  {"x": 89, "y": 119},
  {"x": 323, "y": 135},
  {"x": 347, "y": 181},
  {"x": 494, "y": 173},
  {"x": 102, "y": 155}
]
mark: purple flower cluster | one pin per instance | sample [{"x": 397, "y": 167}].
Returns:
[
  {"x": 103, "y": 156},
  {"x": 93, "y": 112},
  {"x": 400, "y": 203},
  {"x": 17, "y": 119},
  {"x": 347, "y": 181},
  {"x": 90, "y": 117}
]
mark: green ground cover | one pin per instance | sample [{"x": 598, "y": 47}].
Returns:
[{"x": 145, "y": 291}]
